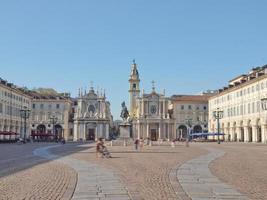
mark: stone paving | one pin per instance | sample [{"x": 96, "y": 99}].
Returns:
[
  {"x": 198, "y": 182},
  {"x": 94, "y": 182},
  {"x": 24, "y": 176},
  {"x": 146, "y": 172},
  {"x": 244, "y": 166}
]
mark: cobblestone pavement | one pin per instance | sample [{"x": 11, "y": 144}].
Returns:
[
  {"x": 146, "y": 173},
  {"x": 198, "y": 182},
  {"x": 94, "y": 182},
  {"x": 245, "y": 167},
  {"x": 25, "y": 176}
]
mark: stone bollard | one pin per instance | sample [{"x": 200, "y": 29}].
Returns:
[
  {"x": 111, "y": 143},
  {"x": 150, "y": 143},
  {"x": 124, "y": 143}
]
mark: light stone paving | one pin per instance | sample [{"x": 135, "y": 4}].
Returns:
[
  {"x": 94, "y": 182},
  {"x": 198, "y": 182}
]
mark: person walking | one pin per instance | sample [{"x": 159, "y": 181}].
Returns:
[{"x": 136, "y": 144}]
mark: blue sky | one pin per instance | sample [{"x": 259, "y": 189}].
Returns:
[{"x": 186, "y": 46}]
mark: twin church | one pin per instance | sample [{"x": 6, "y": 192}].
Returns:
[{"x": 153, "y": 115}]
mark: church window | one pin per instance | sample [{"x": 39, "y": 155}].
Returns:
[
  {"x": 134, "y": 86},
  {"x": 182, "y": 107},
  {"x": 153, "y": 109},
  {"x": 91, "y": 109}
]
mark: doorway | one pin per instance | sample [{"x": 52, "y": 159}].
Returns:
[
  {"x": 91, "y": 135},
  {"x": 153, "y": 133}
]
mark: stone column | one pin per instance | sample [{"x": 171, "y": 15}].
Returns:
[
  {"x": 107, "y": 131},
  {"x": 96, "y": 133},
  {"x": 263, "y": 133},
  {"x": 164, "y": 110},
  {"x": 246, "y": 139},
  {"x": 254, "y": 133},
  {"x": 231, "y": 134},
  {"x": 84, "y": 131},
  {"x": 142, "y": 107},
  {"x": 160, "y": 131},
  {"x": 138, "y": 130},
  {"x": 147, "y": 130},
  {"x": 160, "y": 111},
  {"x": 238, "y": 131}
]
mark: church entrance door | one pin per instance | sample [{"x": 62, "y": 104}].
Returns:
[
  {"x": 153, "y": 133},
  {"x": 91, "y": 135}
]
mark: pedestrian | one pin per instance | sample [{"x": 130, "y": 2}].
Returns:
[
  {"x": 99, "y": 147},
  {"x": 136, "y": 143}
]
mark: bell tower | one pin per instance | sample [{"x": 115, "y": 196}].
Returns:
[{"x": 134, "y": 90}]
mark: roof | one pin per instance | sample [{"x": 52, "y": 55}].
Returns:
[
  {"x": 190, "y": 98},
  {"x": 37, "y": 95}
]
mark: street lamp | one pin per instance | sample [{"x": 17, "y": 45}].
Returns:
[
  {"x": 25, "y": 114},
  {"x": 53, "y": 121},
  {"x": 218, "y": 114},
  {"x": 188, "y": 122}
]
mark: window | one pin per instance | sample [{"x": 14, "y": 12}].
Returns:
[
  {"x": 257, "y": 87},
  {"x": 41, "y": 106},
  {"x": 134, "y": 86},
  {"x": 249, "y": 108},
  {"x": 205, "y": 107},
  {"x": 50, "y": 106},
  {"x": 33, "y": 106},
  {"x": 1, "y": 108},
  {"x": 258, "y": 106},
  {"x": 189, "y": 107},
  {"x": 253, "y": 107},
  {"x": 182, "y": 107},
  {"x": 58, "y": 106}
]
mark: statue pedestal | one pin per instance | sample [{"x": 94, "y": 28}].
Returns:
[{"x": 125, "y": 131}]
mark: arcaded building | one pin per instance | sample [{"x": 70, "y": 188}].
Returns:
[
  {"x": 190, "y": 112},
  {"x": 51, "y": 116},
  {"x": 12, "y": 100},
  {"x": 244, "y": 119}
]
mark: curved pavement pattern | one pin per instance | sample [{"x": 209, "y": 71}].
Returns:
[
  {"x": 198, "y": 182},
  {"x": 94, "y": 182}
]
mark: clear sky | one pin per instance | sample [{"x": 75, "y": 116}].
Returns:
[{"x": 186, "y": 46}]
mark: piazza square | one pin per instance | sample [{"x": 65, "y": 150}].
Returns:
[{"x": 133, "y": 100}]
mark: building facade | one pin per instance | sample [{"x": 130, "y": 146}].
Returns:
[
  {"x": 190, "y": 113},
  {"x": 243, "y": 119},
  {"x": 12, "y": 100},
  {"x": 51, "y": 116},
  {"x": 149, "y": 112},
  {"x": 92, "y": 119}
]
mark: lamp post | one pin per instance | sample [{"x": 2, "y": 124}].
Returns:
[
  {"x": 25, "y": 114},
  {"x": 188, "y": 122},
  {"x": 218, "y": 114},
  {"x": 53, "y": 121}
]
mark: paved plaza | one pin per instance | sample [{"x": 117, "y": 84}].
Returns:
[{"x": 72, "y": 171}]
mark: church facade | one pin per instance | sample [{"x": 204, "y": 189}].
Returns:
[
  {"x": 150, "y": 112},
  {"x": 92, "y": 117}
]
